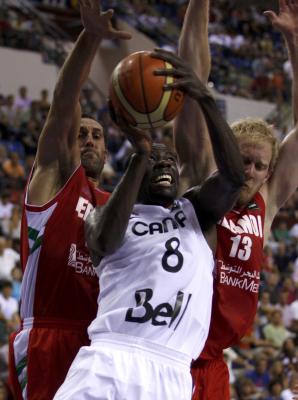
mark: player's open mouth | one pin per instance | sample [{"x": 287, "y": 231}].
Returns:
[{"x": 162, "y": 180}]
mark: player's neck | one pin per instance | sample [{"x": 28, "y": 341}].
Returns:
[
  {"x": 240, "y": 205},
  {"x": 160, "y": 204},
  {"x": 95, "y": 182}
]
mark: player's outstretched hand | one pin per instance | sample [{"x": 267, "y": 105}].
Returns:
[
  {"x": 186, "y": 79},
  {"x": 286, "y": 21},
  {"x": 139, "y": 138},
  {"x": 99, "y": 23}
]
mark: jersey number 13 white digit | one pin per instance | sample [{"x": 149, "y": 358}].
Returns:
[{"x": 241, "y": 247}]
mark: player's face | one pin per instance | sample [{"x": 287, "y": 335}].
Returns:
[
  {"x": 160, "y": 183},
  {"x": 256, "y": 157},
  {"x": 92, "y": 147}
]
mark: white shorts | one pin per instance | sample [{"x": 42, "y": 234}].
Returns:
[{"x": 121, "y": 367}]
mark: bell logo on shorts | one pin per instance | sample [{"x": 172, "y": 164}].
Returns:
[{"x": 162, "y": 314}]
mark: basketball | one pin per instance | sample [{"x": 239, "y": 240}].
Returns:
[{"x": 138, "y": 95}]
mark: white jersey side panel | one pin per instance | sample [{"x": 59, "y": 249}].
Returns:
[
  {"x": 159, "y": 284},
  {"x": 36, "y": 225}
]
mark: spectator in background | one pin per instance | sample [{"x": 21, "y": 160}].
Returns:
[
  {"x": 3, "y": 390},
  {"x": 8, "y": 259},
  {"x": 9, "y": 320},
  {"x": 271, "y": 284},
  {"x": 288, "y": 393},
  {"x": 17, "y": 276},
  {"x": 44, "y": 102},
  {"x": 281, "y": 232},
  {"x": 246, "y": 389},
  {"x": 288, "y": 285},
  {"x": 9, "y": 115},
  {"x": 12, "y": 227},
  {"x": 283, "y": 257},
  {"x": 29, "y": 134},
  {"x": 260, "y": 374},
  {"x": 22, "y": 102},
  {"x": 283, "y": 305},
  {"x": 253, "y": 341},
  {"x": 265, "y": 307},
  {"x": 14, "y": 170},
  {"x": 275, "y": 388},
  {"x": 277, "y": 372},
  {"x": 275, "y": 331},
  {"x": 9, "y": 307},
  {"x": 289, "y": 355},
  {"x": 6, "y": 207}
]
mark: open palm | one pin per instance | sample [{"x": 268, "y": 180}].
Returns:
[
  {"x": 287, "y": 19},
  {"x": 99, "y": 23}
]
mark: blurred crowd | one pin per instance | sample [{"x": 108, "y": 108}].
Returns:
[
  {"x": 265, "y": 364},
  {"x": 249, "y": 58}
]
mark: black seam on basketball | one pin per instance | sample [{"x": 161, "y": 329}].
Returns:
[
  {"x": 122, "y": 85},
  {"x": 160, "y": 100},
  {"x": 143, "y": 89}
]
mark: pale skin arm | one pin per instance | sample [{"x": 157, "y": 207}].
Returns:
[
  {"x": 284, "y": 180},
  {"x": 190, "y": 130},
  {"x": 58, "y": 152}
]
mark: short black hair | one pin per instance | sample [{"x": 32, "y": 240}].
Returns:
[{"x": 6, "y": 283}]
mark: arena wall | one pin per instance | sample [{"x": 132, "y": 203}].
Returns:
[{"x": 23, "y": 67}]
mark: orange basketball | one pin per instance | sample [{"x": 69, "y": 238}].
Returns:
[{"x": 138, "y": 95}]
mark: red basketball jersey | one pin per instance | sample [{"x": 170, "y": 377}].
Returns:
[
  {"x": 240, "y": 236},
  {"x": 59, "y": 279}
]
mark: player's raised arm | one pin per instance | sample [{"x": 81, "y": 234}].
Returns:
[
  {"x": 58, "y": 153},
  {"x": 190, "y": 130},
  {"x": 193, "y": 42},
  {"x": 106, "y": 226},
  {"x": 223, "y": 187},
  {"x": 284, "y": 179}
]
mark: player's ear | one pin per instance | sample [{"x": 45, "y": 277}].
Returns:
[{"x": 269, "y": 173}]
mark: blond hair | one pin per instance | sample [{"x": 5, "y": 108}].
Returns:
[{"x": 257, "y": 130}]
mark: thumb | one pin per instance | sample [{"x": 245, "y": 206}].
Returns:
[
  {"x": 271, "y": 15},
  {"x": 108, "y": 14}
]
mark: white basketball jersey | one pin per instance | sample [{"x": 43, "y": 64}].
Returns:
[{"x": 158, "y": 285}]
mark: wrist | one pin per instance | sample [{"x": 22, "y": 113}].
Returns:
[
  {"x": 291, "y": 39},
  {"x": 92, "y": 36}
]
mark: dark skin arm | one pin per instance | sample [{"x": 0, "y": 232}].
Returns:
[
  {"x": 218, "y": 193},
  {"x": 105, "y": 226}
]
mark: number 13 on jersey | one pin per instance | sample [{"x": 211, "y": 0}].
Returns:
[{"x": 241, "y": 247}]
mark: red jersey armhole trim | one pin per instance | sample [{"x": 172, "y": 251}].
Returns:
[{"x": 43, "y": 207}]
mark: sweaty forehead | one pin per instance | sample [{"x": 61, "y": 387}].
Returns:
[
  {"x": 263, "y": 149},
  {"x": 90, "y": 123},
  {"x": 159, "y": 148}
]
